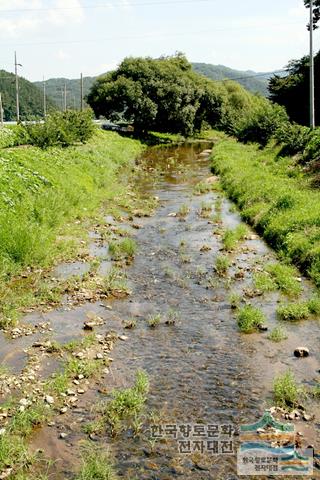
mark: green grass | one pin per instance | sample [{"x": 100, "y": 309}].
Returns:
[
  {"x": 285, "y": 277},
  {"x": 183, "y": 211},
  {"x": 96, "y": 465},
  {"x": 222, "y": 264},
  {"x": 235, "y": 300},
  {"x": 277, "y": 335},
  {"x": 127, "y": 404},
  {"x": 43, "y": 195},
  {"x": 285, "y": 390},
  {"x": 154, "y": 320},
  {"x": 293, "y": 312},
  {"x": 232, "y": 237},
  {"x": 124, "y": 248},
  {"x": 276, "y": 198},
  {"x": 115, "y": 283},
  {"x": 250, "y": 319},
  {"x": 205, "y": 209},
  {"x": 264, "y": 282}
]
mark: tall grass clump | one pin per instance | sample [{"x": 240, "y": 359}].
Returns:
[
  {"x": 250, "y": 319},
  {"x": 96, "y": 465},
  {"x": 232, "y": 237},
  {"x": 285, "y": 390}
]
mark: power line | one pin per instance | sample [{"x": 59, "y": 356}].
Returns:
[
  {"x": 106, "y": 5},
  {"x": 137, "y": 37}
]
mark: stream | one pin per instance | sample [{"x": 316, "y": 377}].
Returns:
[{"x": 202, "y": 370}]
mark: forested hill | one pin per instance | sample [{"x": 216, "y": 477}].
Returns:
[
  {"x": 31, "y": 98},
  {"x": 55, "y": 90},
  {"x": 252, "y": 81},
  {"x": 55, "y": 86}
]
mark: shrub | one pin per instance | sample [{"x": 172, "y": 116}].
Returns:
[
  {"x": 61, "y": 129},
  {"x": 285, "y": 390},
  {"x": 293, "y": 138},
  {"x": 222, "y": 265},
  {"x": 262, "y": 124},
  {"x": 250, "y": 319}
]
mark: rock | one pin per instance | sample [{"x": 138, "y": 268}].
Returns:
[
  {"x": 63, "y": 435},
  {"x": 70, "y": 392},
  {"x": 263, "y": 328},
  {"x": 80, "y": 376},
  {"x": 81, "y": 391},
  {"x": 261, "y": 430},
  {"x": 24, "y": 402},
  {"x": 307, "y": 418},
  {"x": 49, "y": 400},
  {"x": 2, "y": 431},
  {"x": 172, "y": 215},
  {"x": 123, "y": 338},
  {"x": 301, "y": 352},
  {"x": 99, "y": 356},
  {"x": 211, "y": 180},
  {"x": 63, "y": 410}
]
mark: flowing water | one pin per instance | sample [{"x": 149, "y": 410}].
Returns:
[{"x": 202, "y": 370}]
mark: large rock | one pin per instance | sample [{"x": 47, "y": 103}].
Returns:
[{"x": 301, "y": 352}]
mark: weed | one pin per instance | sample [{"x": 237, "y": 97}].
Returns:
[
  {"x": 250, "y": 319},
  {"x": 263, "y": 282},
  {"x": 115, "y": 283},
  {"x": 172, "y": 317},
  {"x": 293, "y": 312},
  {"x": 235, "y": 300},
  {"x": 222, "y": 265},
  {"x": 314, "y": 305},
  {"x": 285, "y": 390},
  {"x": 285, "y": 277},
  {"x": 154, "y": 320},
  {"x": 216, "y": 218},
  {"x": 130, "y": 324},
  {"x": 277, "y": 334},
  {"x": 201, "y": 188},
  {"x": 218, "y": 204},
  {"x": 125, "y": 248},
  {"x": 96, "y": 465},
  {"x": 127, "y": 404},
  {"x": 205, "y": 209},
  {"x": 231, "y": 238},
  {"x": 183, "y": 211}
]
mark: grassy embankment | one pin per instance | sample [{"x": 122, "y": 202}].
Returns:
[
  {"x": 275, "y": 196},
  {"x": 48, "y": 198}
]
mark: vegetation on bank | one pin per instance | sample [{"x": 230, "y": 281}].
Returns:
[
  {"x": 274, "y": 196},
  {"x": 59, "y": 129},
  {"x": 44, "y": 194}
]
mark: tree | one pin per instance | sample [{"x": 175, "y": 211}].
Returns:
[
  {"x": 316, "y": 12},
  {"x": 292, "y": 90},
  {"x": 157, "y": 94}
]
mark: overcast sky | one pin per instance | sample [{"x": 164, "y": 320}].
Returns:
[{"x": 61, "y": 38}]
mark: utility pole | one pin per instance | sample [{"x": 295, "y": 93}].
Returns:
[
  {"x": 1, "y": 110},
  {"x": 81, "y": 92},
  {"x": 44, "y": 99},
  {"x": 16, "y": 64},
  {"x": 312, "y": 109},
  {"x": 65, "y": 96}
]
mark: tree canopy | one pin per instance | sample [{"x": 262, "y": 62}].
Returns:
[
  {"x": 292, "y": 90},
  {"x": 316, "y": 12},
  {"x": 166, "y": 95}
]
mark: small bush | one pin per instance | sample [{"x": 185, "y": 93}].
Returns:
[
  {"x": 250, "y": 319},
  {"x": 95, "y": 466},
  {"x": 285, "y": 390},
  {"x": 263, "y": 282},
  {"x": 61, "y": 129},
  {"x": 293, "y": 137}
]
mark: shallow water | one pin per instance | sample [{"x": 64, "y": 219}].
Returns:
[{"x": 201, "y": 370}]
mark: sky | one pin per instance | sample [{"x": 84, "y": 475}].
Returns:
[{"x": 61, "y": 38}]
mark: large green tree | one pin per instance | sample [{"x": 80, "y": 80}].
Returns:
[
  {"x": 162, "y": 94},
  {"x": 292, "y": 90},
  {"x": 316, "y": 11}
]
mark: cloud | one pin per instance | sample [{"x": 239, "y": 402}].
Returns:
[
  {"x": 18, "y": 21},
  {"x": 62, "y": 55}
]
